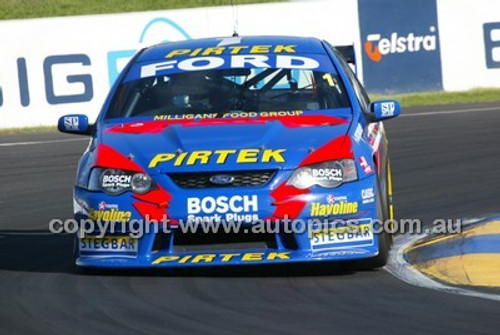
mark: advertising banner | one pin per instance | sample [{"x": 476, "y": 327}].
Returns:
[{"x": 400, "y": 42}]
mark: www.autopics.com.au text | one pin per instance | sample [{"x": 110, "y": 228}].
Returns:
[{"x": 137, "y": 228}]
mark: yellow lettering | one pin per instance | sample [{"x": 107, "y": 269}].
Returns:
[
  {"x": 223, "y": 154},
  {"x": 202, "y": 156},
  {"x": 247, "y": 156},
  {"x": 354, "y": 207},
  {"x": 180, "y": 158},
  {"x": 315, "y": 209},
  {"x": 278, "y": 255},
  {"x": 228, "y": 257},
  {"x": 260, "y": 49},
  {"x": 276, "y": 155},
  {"x": 237, "y": 49},
  {"x": 285, "y": 48},
  {"x": 184, "y": 259},
  {"x": 207, "y": 258},
  {"x": 213, "y": 51},
  {"x": 127, "y": 216},
  {"x": 318, "y": 209},
  {"x": 164, "y": 259},
  {"x": 177, "y": 52},
  {"x": 252, "y": 256},
  {"x": 195, "y": 52},
  {"x": 160, "y": 158}
]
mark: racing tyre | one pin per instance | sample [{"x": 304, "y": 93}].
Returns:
[{"x": 384, "y": 238}]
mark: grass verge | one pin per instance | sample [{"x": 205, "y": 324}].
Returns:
[
  {"x": 37, "y": 129},
  {"x": 22, "y": 9},
  {"x": 443, "y": 98}
]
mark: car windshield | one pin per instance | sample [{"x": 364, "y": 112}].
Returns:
[{"x": 216, "y": 92}]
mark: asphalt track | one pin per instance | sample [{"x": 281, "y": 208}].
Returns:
[{"x": 445, "y": 165}]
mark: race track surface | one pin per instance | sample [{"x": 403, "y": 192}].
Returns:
[{"x": 445, "y": 165}]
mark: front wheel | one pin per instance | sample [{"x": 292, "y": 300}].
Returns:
[{"x": 384, "y": 212}]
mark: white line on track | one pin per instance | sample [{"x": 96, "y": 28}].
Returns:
[
  {"x": 13, "y": 144},
  {"x": 400, "y": 268},
  {"x": 454, "y": 111}
]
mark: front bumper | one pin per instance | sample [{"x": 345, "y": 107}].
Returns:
[{"x": 158, "y": 248}]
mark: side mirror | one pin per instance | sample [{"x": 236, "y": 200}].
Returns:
[
  {"x": 384, "y": 109},
  {"x": 74, "y": 124}
]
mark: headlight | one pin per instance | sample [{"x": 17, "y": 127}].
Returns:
[
  {"x": 141, "y": 183},
  {"x": 328, "y": 174},
  {"x": 114, "y": 181}
]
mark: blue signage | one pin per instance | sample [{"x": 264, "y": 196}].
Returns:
[
  {"x": 400, "y": 42},
  {"x": 491, "y": 43}
]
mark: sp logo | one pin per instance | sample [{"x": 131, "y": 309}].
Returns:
[{"x": 71, "y": 122}]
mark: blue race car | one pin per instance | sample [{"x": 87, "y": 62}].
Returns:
[{"x": 233, "y": 151}]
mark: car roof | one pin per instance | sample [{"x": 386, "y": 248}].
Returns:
[{"x": 301, "y": 45}]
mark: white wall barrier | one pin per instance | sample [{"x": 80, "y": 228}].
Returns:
[
  {"x": 55, "y": 66},
  {"x": 470, "y": 43}
]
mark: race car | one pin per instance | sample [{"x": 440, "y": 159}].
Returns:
[{"x": 234, "y": 151}]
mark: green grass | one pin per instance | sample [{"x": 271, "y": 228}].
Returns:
[
  {"x": 38, "y": 129},
  {"x": 444, "y": 98},
  {"x": 20, "y": 9}
]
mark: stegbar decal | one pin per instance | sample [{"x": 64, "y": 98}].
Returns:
[
  {"x": 362, "y": 233},
  {"x": 201, "y": 157},
  {"x": 223, "y": 257},
  {"x": 115, "y": 244}
]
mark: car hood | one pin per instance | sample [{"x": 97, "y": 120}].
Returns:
[{"x": 222, "y": 145}]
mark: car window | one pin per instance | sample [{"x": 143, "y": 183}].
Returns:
[
  {"x": 229, "y": 89},
  {"x": 360, "y": 92}
]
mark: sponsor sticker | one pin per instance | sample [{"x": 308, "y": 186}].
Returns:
[
  {"x": 377, "y": 46},
  {"x": 226, "y": 48},
  {"x": 368, "y": 195},
  {"x": 358, "y": 133},
  {"x": 388, "y": 108},
  {"x": 117, "y": 244},
  {"x": 222, "y": 257},
  {"x": 237, "y": 208},
  {"x": 334, "y": 174},
  {"x": 361, "y": 234},
  {"x": 367, "y": 169},
  {"x": 229, "y": 115},
  {"x": 109, "y": 212},
  {"x": 337, "y": 207},
  {"x": 71, "y": 122},
  {"x": 233, "y": 61},
  {"x": 116, "y": 181},
  {"x": 202, "y": 157}
]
